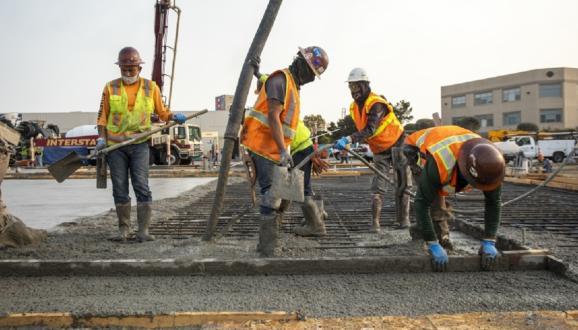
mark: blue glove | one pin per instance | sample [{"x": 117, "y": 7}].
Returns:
[
  {"x": 100, "y": 144},
  {"x": 439, "y": 256},
  {"x": 341, "y": 143},
  {"x": 179, "y": 117},
  {"x": 489, "y": 253}
]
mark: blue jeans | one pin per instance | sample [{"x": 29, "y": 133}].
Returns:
[
  {"x": 133, "y": 159},
  {"x": 264, "y": 170}
]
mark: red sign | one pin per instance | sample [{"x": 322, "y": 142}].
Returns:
[{"x": 81, "y": 141}]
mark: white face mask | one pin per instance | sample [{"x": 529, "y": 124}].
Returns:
[{"x": 129, "y": 80}]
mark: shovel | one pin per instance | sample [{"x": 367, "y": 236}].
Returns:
[
  {"x": 287, "y": 183},
  {"x": 64, "y": 168}
]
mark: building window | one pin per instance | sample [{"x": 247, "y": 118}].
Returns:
[
  {"x": 486, "y": 120},
  {"x": 512, "y": 118},
  {"x": 483, "y": 98},
  {"x": 551, "y": 115},
  {"x": 550, "y": 90},
  {"x": 511, "y": 94},
  {"x": 458, "y": 101}
]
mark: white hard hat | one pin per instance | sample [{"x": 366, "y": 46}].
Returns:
[{"x": 358, "y": 74}]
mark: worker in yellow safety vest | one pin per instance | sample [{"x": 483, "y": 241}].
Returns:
[
  {"x": 378, "y": 126},
  {"x": 125, "y": 110},
  {"x": 270, "y": 127}
]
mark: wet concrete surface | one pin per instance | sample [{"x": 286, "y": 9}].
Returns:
[
  {"x": 313, "y": 296},
  {"x": 45, "y": 203}
]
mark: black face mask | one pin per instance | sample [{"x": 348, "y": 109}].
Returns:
[
  {"x": 360, "y": 92},
  {"x": 301, "y": 71}
]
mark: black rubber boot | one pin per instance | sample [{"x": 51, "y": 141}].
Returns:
[
  {"x": 123, "y": 214},
  {"x": 268, "y": 232},
  {"x": 314, "y": 225},
  {"x": 143, "y": 213}
]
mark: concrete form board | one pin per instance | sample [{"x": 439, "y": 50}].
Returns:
[{"x": 271, "y": 266}]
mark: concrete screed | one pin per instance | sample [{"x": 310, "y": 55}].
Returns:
[{"x": 316, "y": 296}]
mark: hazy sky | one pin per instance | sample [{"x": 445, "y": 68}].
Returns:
[{"x": 57, "y": 55}]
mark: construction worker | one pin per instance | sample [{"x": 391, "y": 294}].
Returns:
[
  {"x": 449, "y": 159},
  {"x": 269, "y": 129},
  {"x": 378, "y": 126},
  {"x": 125, "y": 109},
  {"x": 440, "y": 209}
]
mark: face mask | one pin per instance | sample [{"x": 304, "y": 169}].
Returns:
[{"x": 129, "y": 80}]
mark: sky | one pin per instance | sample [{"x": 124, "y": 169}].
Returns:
[{"x": 57, "y": 55}]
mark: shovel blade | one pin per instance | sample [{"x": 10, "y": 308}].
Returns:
[
  {"x": 64, "y": 168},
  {"x": 287, "y": 185}
]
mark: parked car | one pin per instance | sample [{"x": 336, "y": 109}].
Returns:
[{"x": 364, "y": 150}]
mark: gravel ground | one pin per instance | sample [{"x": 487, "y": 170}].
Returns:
[{"x": 314, "y": 296}]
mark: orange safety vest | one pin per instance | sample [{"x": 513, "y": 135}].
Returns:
[
  {"x": 256, "y": 135},
  {"x": 123, "y": 124},
  {"x": 444, "y": 144},
  {"x": 389, "y": 129}
]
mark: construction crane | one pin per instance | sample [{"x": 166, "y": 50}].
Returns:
[{"x": 162, "y": 9}]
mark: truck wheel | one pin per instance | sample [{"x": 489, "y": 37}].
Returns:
[
  {"x": 558, "y": 157},
  {"x": 186, "y": 161}
]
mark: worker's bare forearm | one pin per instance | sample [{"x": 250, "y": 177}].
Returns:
[{"x": 274, "y": 121}]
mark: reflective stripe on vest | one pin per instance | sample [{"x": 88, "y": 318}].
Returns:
[
  {"x": 389, "y": 129},
  {"x": 256, "y": 135},
  {"x": 287, "y": 131},
  {"x": 442, "y": 149},
  {"x": 123, "y": 124}
]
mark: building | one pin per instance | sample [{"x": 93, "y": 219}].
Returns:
[
  {"x": 546, "y": 97},
  {"x": 223, "y": 102}
]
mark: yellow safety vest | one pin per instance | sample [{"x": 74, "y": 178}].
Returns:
[{"x": 121, "y": 123}]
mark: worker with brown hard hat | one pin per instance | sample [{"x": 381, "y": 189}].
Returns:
[
  {"x": 125, "y": 109},
  {"x": 450, "y": 159},
  {"x": 378, "y": 126},
  {"x": 269, "y": 129}
]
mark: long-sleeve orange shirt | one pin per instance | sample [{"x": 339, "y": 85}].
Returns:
[{"x": 131, "y": 91}]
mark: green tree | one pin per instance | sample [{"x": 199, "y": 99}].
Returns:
[
  {"x": 402, "y": 110},
  {"x": 315, "y": 123},
  {"x": 530, "y": 127},
  {"x": 471, "y": 123},
  {"x": 425, "y": 123},
  {"x": 346, "y": 127}
]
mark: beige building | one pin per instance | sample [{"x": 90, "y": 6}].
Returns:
[{"x": 546, "y": 97}]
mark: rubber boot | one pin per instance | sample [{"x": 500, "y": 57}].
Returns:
[
  {"x": 376, "y": 204},
  {"x": 268, "y": 232},
  {"x": 123, "y": 214},
  {"x": 314, "y": 225},
  {"x": 143, "y": 213}
]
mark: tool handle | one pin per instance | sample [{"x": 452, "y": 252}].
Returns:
[
  {"x": 306, "y": 159},
  {"x": 143, "y": 135}
]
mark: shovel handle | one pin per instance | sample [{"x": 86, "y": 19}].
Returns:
[{"x": 143, "y": 135}]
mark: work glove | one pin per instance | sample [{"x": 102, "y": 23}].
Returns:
[
  {"x": 100, "y": 144},
  {"x": 318, "y": 165},
  {"x": 179, "y": 117},
  {"x": 439, "y": 256},
  {"x": 489, "y": 253},
  {"x": 286, "y": 159},
  {"x": 342, "y": 143}
]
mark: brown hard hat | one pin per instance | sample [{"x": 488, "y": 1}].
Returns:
[
  {"x": 482, "y": 164},
  {"x": 317, "y": 59},
  {"x": 129, "y": 56}
]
